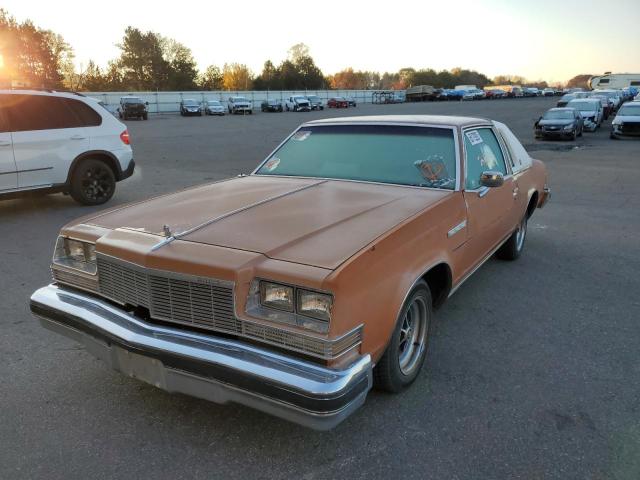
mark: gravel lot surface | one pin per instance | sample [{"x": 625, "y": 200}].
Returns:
[{"x": 533, "y": 370}]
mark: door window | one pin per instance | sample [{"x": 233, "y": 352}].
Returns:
[
  {"x": 41, "y": 112},
  {"x": 483, "y": 153}
]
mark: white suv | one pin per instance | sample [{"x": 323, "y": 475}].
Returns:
[{"x": 61, "y": 142}]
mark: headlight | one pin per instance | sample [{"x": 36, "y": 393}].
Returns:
[
  {"x": 274, "y": 295},
  {"x": 291, "y": 305},
  {"x": 314, "y": 304},
  {"x": 568, "y": 127},
  {"x": 76, "y": 255}
]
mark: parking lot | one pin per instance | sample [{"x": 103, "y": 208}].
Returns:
[{"x": 532, "y": 371}]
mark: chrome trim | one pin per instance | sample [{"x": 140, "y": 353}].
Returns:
[
  {"x": 457, "y": 228},
  {"x": 216, "y": 369},
  {"x": 482, "y": 191},
  {"x": 400, "y": 124},
  {"x": 228, "y": 214},
  {"x": 298, "y": 340}
]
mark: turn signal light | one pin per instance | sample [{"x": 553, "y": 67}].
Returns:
[{"x": 124, "y": 136}]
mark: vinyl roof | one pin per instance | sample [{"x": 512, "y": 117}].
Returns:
[{"x": 444, "y": 120}]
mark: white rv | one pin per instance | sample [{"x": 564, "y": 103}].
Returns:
[{"x": 615, "y": 81}]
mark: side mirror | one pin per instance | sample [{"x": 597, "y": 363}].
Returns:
[
  {"x": 146, "y": 103},
  {"x": 491, "y": 179}
]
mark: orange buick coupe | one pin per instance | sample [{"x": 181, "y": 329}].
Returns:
[{"x": 295, "y": 289}]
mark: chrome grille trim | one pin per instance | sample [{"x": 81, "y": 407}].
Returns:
[
  {"x": 73, "y": 279},
  {"x": 205, "y": 303}
]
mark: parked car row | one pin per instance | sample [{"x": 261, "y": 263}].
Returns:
[{"x": 580, "y": 111}]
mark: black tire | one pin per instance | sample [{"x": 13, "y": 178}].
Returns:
[
  {"x": 389, "y": 374},
  {"x": 145, "y": 116},
  {"x": 513, "y": 247},
  {"x": 573, "y": 136},
  {"x": 92, "y": 182}
]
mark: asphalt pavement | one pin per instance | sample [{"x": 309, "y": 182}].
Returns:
[{"x": 533, "y": 371}]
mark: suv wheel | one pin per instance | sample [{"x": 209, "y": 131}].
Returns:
[{"x": 92, "y": 182}]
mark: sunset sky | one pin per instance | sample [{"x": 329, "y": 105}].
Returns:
[{"x": 544, "y": 39}]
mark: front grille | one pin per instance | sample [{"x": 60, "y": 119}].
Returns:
[
  {"x": 630, "y": 127},
  {"x": 203, "y": 303}
]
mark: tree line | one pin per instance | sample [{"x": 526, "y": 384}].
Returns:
[{"x": 149, "y": 61}]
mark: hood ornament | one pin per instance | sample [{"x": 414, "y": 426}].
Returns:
[{"x": 167, "y": 231}]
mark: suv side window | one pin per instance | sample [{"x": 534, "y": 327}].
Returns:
[
  {"x": 88, "y": 116},
  {"x": 40, "y": 112},
  {"x": 483, "y": 153}
]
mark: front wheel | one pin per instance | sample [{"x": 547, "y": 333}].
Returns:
[
  {"x": 513, "y": 247},
  {"x": 405, "y": 354},
  {"x": 92, "y": 182}
]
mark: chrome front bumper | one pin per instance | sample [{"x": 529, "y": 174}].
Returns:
[{"x": 216, "y": 369}]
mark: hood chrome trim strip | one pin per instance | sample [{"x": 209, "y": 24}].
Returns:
[{"x": 170, "y": 239}]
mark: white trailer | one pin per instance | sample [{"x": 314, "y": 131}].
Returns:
[{"x": 615, "y": 81}]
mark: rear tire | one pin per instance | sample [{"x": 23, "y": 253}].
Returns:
[
  {"x": 513, "y": 247},
  {"x": 92, "y": 182},
  {"x": 402, "y": 361}
]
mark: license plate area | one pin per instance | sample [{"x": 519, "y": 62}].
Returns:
[{"x": 137, "y": 366}]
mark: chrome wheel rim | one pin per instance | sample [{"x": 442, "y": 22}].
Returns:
[
  {"x": 96, "y": 184},
  {"x": 521, "y": 233},
  {"x": 413, "y": 336}
]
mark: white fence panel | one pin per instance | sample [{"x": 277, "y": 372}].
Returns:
[{"x": 169, "y": 102}]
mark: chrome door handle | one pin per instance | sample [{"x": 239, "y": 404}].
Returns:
[{"x": 78, "y": 137}]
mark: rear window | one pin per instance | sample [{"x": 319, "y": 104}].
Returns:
[{"x": 41, "y": 112}]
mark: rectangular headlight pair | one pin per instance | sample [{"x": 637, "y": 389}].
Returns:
[
  {"x": 76, "y": 255},
  {"x": 296, "y": 300}
]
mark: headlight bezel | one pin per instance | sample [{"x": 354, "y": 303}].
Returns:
[
  {"x": 305, "y": 319},
  {"x": 75, "y": 255}
]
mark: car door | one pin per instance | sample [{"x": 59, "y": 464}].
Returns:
[
  {"x": 8, "y": 175},
  {"x": 47, "y": 137},
  {"x": 490, "y": 211}
]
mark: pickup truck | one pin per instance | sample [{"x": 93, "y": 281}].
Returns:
[
  {"x": 239, "y": 105},
  {"x": 297, "y": 103}
]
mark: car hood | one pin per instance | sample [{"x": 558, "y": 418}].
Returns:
[
  {"x": 556, "y": 122},
  {"x": 307, "y": 221},
  {"x": 626, "y": 118}
]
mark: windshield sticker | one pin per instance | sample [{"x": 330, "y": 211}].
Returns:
[
  {"x": 302, "y": 135},
  {"x": 474, "y": 137},
  {"x": 434, "y": 171},
  {"x": 272, "y": 164}
]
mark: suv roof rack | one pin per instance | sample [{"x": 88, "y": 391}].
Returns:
[{"x": 50, "y": 90}]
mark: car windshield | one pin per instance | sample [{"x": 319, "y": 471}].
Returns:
[
  {"x": 273, "y": 101},
  {"x": 630, "y": 110},
  {"x": 313, "y": 98},
  {"x": 214, "y": 103},
  {"x": 578, "y": 105},
  {"x": 239, "y": 99},
  {"x": 300, "y": 99},
  {"x": 404, "y": 155},
  {"x": 558, "y": 115},
  {"x": 132, "y": 100},
  {"x": 566, "y": 98},
  {"x": 190, "y": 103}
]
